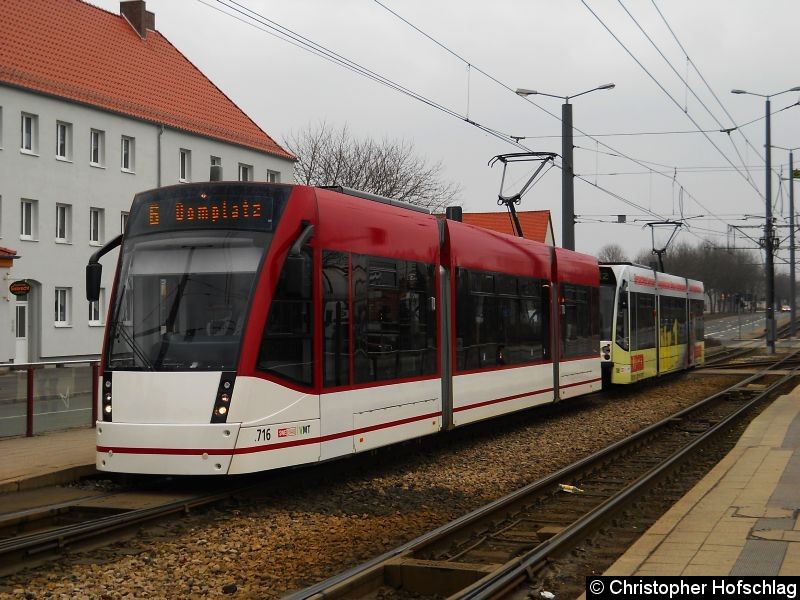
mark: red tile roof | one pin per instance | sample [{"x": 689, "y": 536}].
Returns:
[
  {"x": 535, "y": 223},
  {"x": 73, "y": 50}
]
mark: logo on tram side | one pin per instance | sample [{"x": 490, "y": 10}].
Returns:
[{"x": 293, "y": 431}]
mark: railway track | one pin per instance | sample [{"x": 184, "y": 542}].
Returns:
[
  {"x": 31, "y": 537},
  {"x": 497, "y": 548}
]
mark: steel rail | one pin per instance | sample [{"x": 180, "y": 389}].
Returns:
[
  {"x": 514, "y": 572},
  {"x": 59, "y": 538},
  {"x": 338, "y": 585}
]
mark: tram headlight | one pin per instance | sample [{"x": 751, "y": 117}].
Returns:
[
  {"x": 107, "y": 409},
  {"x": 222, "y": 403}
]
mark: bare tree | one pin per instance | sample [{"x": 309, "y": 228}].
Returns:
[
  {"x": 392, "y": 168},
  {"x": 612, "y": 253},
  {"x": 731, "y": 277}
]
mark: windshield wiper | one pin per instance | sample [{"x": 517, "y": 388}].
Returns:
[{"x": 119, "y": 332}]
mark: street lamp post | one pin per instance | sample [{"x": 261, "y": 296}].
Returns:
[
  {"x": 768, "y": 235},
  {"x": 567, "y": 167}
]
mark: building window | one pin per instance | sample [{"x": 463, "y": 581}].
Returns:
[
  {"x": 96, "y": 309},
  {"x": 127, "y": 154},
  {"x": 273, "y": 177},
  {"x": 245, "y": 172},
  {"x": 30, "y": 134},
  {"x": 63, "y": 222},
  {"x": 62, "y": 306},
  {"x": 28, "y": 220},
  {"x": 123, "y": 221},
  {"x": 96, "y": 225},
  {"x": 185, "y": 165},
  {"x": 97, "y": 148},
  {"x": 63, "y": 141},
  {"x": 216, "y": 168}
]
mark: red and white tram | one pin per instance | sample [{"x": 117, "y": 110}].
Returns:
[{"x": 255, "y": 326}]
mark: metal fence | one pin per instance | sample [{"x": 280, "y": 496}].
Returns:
[{"x": 47, "y": 396}]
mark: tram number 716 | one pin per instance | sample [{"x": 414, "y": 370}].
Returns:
[{"x": 263, "y": 435}]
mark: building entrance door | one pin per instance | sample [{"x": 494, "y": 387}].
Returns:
[{"x": 22, "y": 327}]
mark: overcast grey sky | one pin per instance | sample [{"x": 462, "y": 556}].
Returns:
[{"x": 554, "y": 46}]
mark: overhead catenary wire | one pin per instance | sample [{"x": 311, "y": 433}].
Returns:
[
  {"x": 686, "y": 84},
  {"x": 663, "y": 89},
  {"x": 265, "y": 25},
  {"x": 703, "y": 79},
  {"x": 497, "y": 81}
]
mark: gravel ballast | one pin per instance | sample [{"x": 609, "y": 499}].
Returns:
[{"x": 312, "y": 523}]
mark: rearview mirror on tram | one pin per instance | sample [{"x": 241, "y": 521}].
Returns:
[{"x": 94, "y": 273}]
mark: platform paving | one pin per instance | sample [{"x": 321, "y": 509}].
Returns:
[
  {"x": 743, "y": 518},
  {"x": 46, "y": 459}
]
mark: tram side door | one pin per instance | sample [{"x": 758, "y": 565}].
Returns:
[{"x": 21, "y": 331}]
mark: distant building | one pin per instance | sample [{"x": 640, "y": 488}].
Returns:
[
  {"x": 95, "y": 107},
  {"x": 536, "y": 224}
]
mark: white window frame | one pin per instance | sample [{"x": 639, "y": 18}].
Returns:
[
  {"x": 63, "y": 141},
  {"x": 28, "y": 216},
  {"x": 29, "y": 134},
  {"x": 245, "y": 172},
  {"x": 62, "y": 306},
  {"x": 97, "y": 143},
  {"x": 63, "y": 223},
  {"x": 185, "y": 165},
  {"x": 127, "y": 154},
  {"x": 96, "y": 316},
  {"x": 123, "y": 220},
  {"x": 96, "y": 226},
  {"x": 273, "y": 176},
  {"x": 1, "y": 127}
]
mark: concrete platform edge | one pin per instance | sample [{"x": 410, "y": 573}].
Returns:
[{"x": 54, "y": 478}]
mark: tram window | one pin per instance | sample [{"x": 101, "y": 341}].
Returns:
[
  {"x": 623, "y": 325},
  {"x": 500, "y": 320},
  {"x": 287, "y": 342},
  {"x": 672, "y": 321},
  {"x": 643, "y": 321},
  {"x": 607, "y": 292},
  {"x": 580, "y": 333},
  {"x": 336, "y": 318},
  {"x": 697, "y": 307},
  {"x": 394, "y": 322}
]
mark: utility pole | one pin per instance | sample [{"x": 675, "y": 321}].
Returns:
[
  {"x": 769, "y": 245},
  {"x": 792, "y": 283},
  {"x": 567, "y": 179},
  {"x": 769, "y": 265}
]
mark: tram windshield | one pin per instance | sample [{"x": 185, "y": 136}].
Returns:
[
  {"x": 607, "y": 293},
  {"x": 182, "y": 299}
]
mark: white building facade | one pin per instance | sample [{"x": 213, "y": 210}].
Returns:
[{"x": 68, "y": 173}]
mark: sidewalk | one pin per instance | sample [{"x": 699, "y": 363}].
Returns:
[
  {"x": 46, "y": 459},
  {"x": 742, "y": 518}
]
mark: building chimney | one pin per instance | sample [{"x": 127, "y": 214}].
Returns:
[{"x": 138, "y": 16}]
